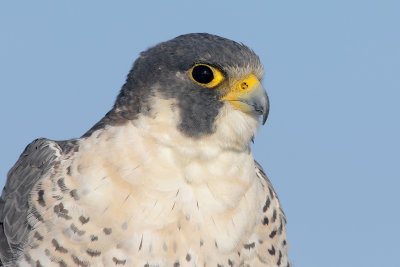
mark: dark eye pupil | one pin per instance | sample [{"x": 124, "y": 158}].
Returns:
[{"x": 202, "y": 74}]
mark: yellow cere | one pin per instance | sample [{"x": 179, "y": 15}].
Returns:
[
  {"x": 241, "y": 87},
  {"x": 218, "y": 76}
]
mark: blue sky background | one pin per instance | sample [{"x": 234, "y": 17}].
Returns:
[{"x": 332, "y": 68}]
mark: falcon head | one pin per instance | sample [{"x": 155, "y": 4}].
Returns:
[{"x": 193, "y": 88}]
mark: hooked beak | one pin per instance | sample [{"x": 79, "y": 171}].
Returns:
[{"x": 249, "y": 96}]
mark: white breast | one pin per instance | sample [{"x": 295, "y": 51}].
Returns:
[{"x": 150, "y": 194}]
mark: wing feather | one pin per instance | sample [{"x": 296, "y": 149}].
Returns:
[
  {"x": 260, "y": 172},
  {"x": 272, "y": 227},
  {"x": 38, "y": 158}
]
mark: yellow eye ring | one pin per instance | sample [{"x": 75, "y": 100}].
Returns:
[{"x": 206, "y": 75}]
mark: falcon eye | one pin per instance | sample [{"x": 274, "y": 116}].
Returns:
[
  {"x": 202, "y": 74},
  {"x": 206, "y": 75}
]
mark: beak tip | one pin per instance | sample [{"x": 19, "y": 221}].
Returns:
[
  {"x": 264, "y": 119},
  {"x": 265, "y": 116},
  {"x": 266, "y": 110}
]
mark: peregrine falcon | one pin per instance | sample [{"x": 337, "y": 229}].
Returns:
[{"x": 165, "y": 178}]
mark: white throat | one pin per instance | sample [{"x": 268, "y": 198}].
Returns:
[{"x": 234, "y": 130}]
